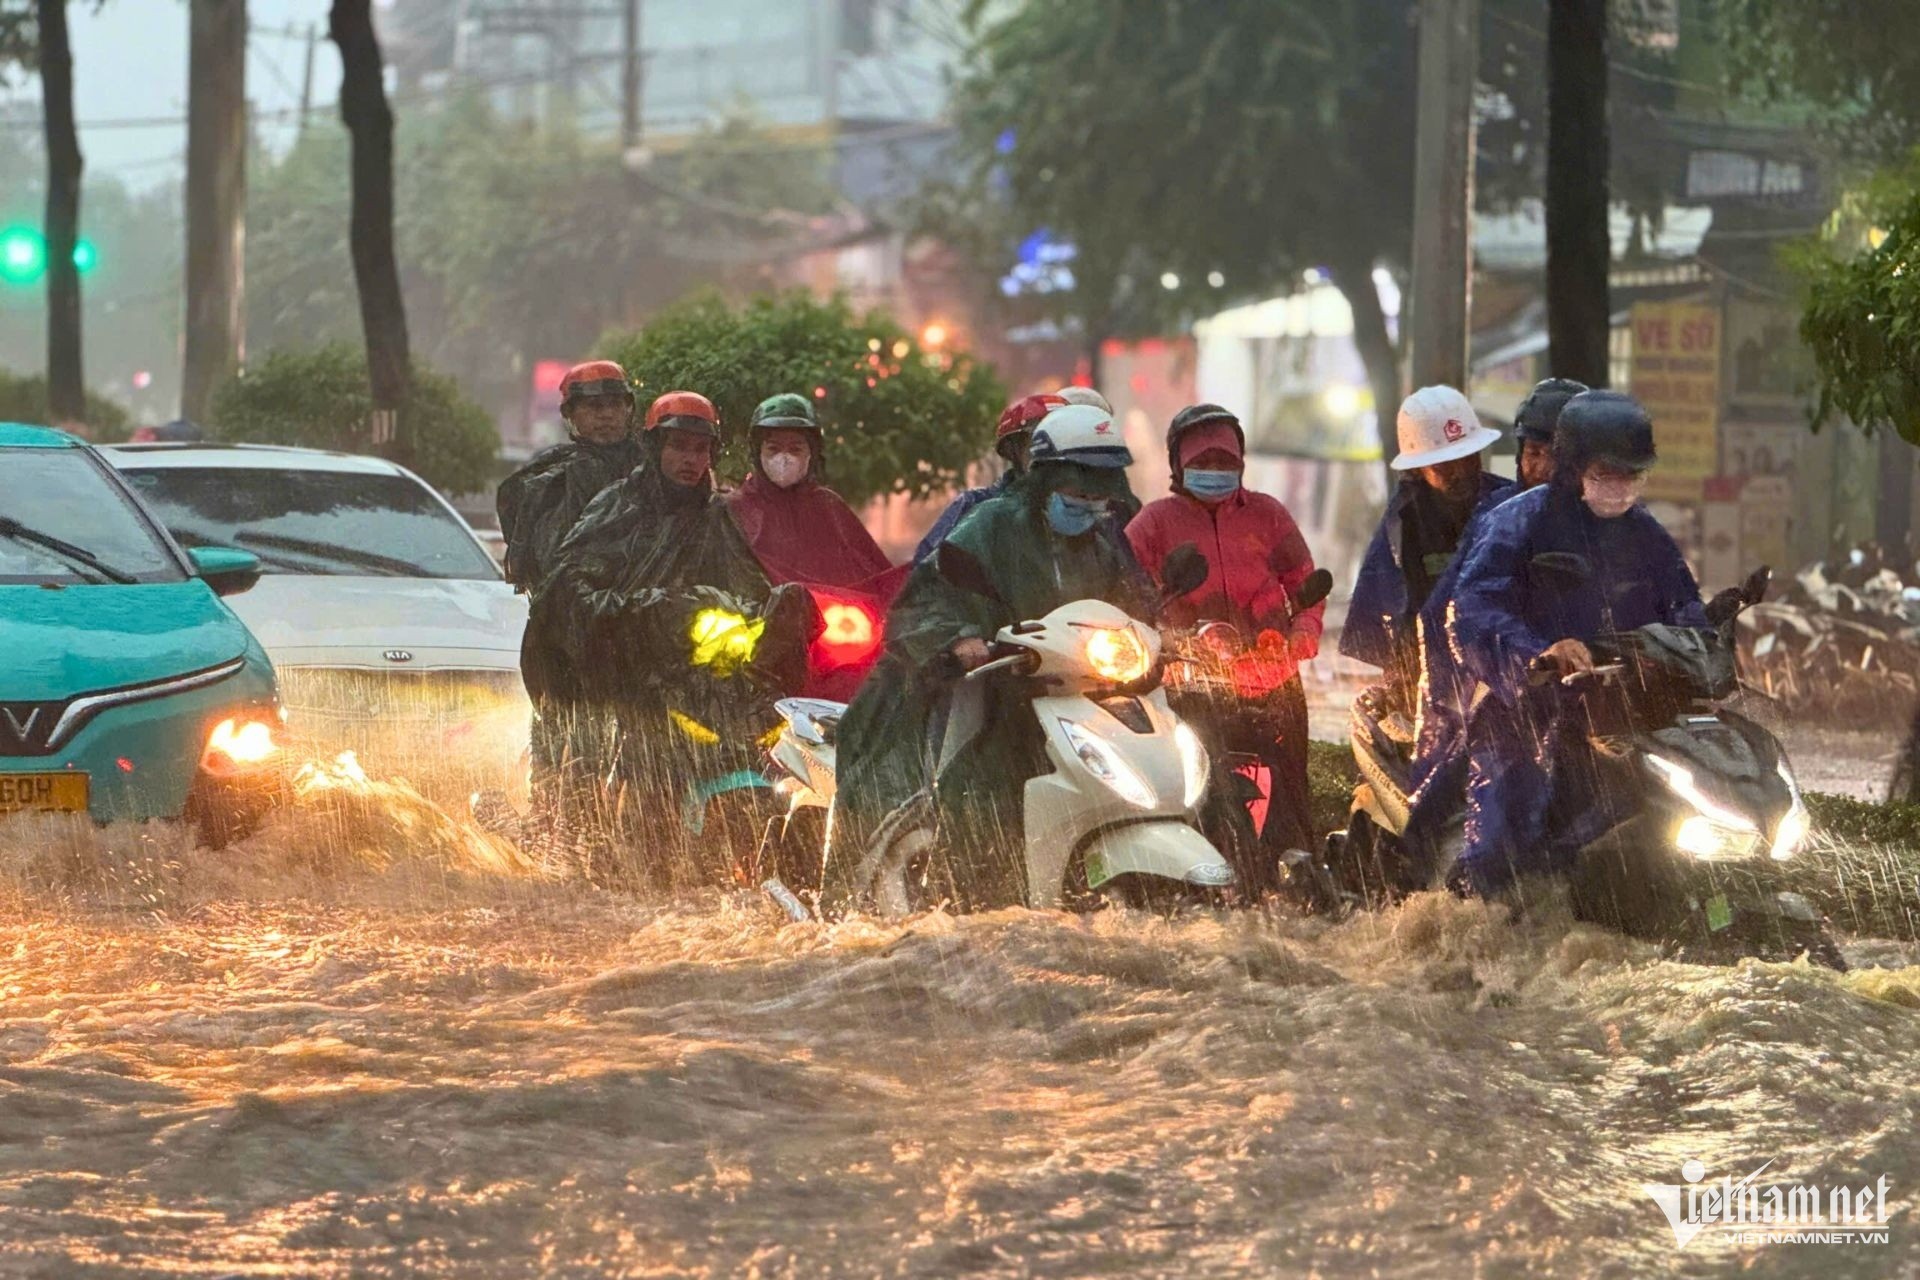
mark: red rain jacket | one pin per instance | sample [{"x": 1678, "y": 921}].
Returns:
[{"x": 1256, "y": 560}]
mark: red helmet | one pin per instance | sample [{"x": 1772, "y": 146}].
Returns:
[
  {"x": 594, "y": 378},
  {"x": 1025, "y": 414},
  {"x": 684, "y": 411}
]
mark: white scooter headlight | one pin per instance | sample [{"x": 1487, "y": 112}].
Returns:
[
  {"x": 1193, "y": 762},
  {"x": 1795, "y": 825},
  {"x": 1104, "y": 763}
]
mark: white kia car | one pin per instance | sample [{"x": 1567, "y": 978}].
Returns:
[{"x": 389, "y": 625}]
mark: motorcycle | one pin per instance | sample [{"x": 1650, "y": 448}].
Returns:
[
  {"x": 1113, "y": 815},
  {"x": 1211, "y": 673},
  {"x": 1688, "y": 806}
]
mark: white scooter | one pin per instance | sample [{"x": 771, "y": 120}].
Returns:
[{"x": 1116, "y": 812}]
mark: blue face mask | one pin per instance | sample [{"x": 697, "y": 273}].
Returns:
[
  {"x": 1209, "y": 486},
  {"x": 1073, "y": 516}
]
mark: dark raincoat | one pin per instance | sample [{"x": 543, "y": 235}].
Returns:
[
  {"x": 1381, "y": 627},
  {"x": 539, "y": 503},
  {"x": 884, "y": 757},
  {"x": 957, "y": 511},
  {"x": 620, "y": 606},
  {"x": 1507, "y": 612}
]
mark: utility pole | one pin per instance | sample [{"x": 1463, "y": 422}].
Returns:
[
  {"x": 1438, "y": 311},
  {"x": 306, "y": 78},
  {"x": 66, "y": 382},
  {"x": 1578, "y": 249},
  {"x": 631, "y": 84},
  {"x": 216, "y": 198}
]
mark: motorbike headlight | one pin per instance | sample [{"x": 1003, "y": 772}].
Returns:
[
  {"x": 1116, "y": 654},
  {"x": 1795, "y": 825},
  {"x": 1104, "y": 763},
  {"x": 723, "y": 639},
  {"x": 1680, "y": 781},
  {"x": 239, "y": 744},
  {"x": 1193, "y": 762}
]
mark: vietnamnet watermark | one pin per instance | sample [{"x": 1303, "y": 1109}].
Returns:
[{"x": 1745, "y": 1213}]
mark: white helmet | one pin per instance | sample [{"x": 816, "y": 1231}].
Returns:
[
  {"x": 1078, "y": 433},
  {"x": 1438, "y": 425},
  {"x": 1085, "y": 395}
]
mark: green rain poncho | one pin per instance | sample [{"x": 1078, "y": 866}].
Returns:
[{"x": 884, "y": 754}]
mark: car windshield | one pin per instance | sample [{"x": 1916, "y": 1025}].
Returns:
[
  {"x": 63, "y": 521},
  {"x": 322, "y": 522}
]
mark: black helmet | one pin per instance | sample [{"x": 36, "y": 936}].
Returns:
[
  {"x": 1541, "y": 409},
  {"x": 1602, "y": 426},
  {"x": 1192, "y": 416}
]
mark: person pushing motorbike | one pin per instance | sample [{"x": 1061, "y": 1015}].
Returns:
[
  {"x": 1042, "y": 543},
  {"x": 1553, "y": 570},
  {"x": 1257, "y": 561}
]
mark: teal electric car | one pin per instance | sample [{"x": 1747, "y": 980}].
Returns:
[{"x": 128, "y": 689}]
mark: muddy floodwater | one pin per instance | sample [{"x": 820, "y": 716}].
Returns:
[{"x": 372, "y": 1043}]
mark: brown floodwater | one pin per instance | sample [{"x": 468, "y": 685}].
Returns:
[{"x": 372, "y": 1042}]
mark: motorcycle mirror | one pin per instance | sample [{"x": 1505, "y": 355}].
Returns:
[
  {"x": 1184, "y": 571},
  {"x": 1754, "y": 590},
  {"x": 1317, "y": 587},
  {"x": 963, "y": 569},
  {"x": 1570, "y": 566}
]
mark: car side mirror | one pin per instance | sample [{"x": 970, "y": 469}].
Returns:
[
  {"x": 1569, "y": 566},
  {"x": 228, "y": 570},
  {"x": 1317, "y": 587},
  {"x": 1185, "y": 570}
]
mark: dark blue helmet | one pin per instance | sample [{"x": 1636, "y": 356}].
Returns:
[{"x": 1602, "y": 426}]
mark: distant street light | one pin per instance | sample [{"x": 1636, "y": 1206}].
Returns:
[
  {"x": 1216, "y": 279},
  {"x": 1169, "y": 281}
]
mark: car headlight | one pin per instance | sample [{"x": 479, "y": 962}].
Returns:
[
  {"x": 1193, "y": 762},
  {"x": 239, "y": 744},
  {"x": 1795, "y": 825},
  {"x": 1116, "y": 654},
  {"x": 1104, "y": 763}
]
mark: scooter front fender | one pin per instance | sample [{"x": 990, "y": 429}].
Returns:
[{"x": 1169, "y": 850}]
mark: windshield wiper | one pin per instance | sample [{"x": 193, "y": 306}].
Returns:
[
  {"x": 12, "y": 528},
  {"x": 386, "y": 565}
]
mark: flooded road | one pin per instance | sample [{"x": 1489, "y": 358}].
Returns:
[{"x": 394, "y": 1051}]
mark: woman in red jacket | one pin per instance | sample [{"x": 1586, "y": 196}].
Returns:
[{"x": 1257, "y": 560}]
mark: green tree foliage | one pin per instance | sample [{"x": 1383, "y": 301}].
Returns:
[
  {"x": 1854, "y": 60},
  {"x": 1862, "y": 316},
  {"x": 320, "y": 398},
  {"x": 897, "y": 419},
  {"x": 24, "y": 399}
]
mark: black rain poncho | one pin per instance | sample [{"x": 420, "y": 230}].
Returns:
[
  {"x": 539, "y": 503},
  {"x": 663, "y": 618},
  {"x": 884, "y": 752}
]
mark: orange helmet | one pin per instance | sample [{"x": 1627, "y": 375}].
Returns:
[
  {"x": 684, "y": 411},
  {"x": 594, "y": 378}
]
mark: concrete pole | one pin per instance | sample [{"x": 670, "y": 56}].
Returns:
[{"x": 1441, "y": 296}]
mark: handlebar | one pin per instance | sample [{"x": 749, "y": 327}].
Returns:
[
  {"x": 1541, "y": 672},
  {"x": 1021, "y": 658}
]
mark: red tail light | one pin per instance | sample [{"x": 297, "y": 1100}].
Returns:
[{"x": 853, "y": 631}]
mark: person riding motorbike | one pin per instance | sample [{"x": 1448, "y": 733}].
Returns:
[
  {"x": 1011, "y": 438},
  {"x": 1257, "y": 561},
  {"x": 1516, "y": 606},
  {"x": 801, "y": 531},
  {"x": 539, "y": 503},
  {"x": 663, "y": 614},
  {"x": 1443, "y": 486},
  {"x": 1439, "y": 770},
  {"x": 1041, "y": 544}
]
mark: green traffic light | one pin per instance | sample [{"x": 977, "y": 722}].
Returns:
[{"x": 23, "y": 255}]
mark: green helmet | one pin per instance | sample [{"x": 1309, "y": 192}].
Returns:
[{"x": 793, "y": 412}]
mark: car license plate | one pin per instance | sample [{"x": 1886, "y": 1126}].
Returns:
[{"x": 44, "y": 792}]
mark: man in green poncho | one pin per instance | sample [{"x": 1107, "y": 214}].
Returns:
[
  {"x": 1042, "y": 543},
  {"x": 663, "y": 616}
]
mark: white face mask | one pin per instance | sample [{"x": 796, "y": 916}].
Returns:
[
  {"x": 1612, "y": 496},
  {"x": 785, "y": 469}
]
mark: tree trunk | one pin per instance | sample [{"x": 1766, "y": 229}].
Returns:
[
  {"x": 1577, "y": 249},
  {"x": 369, "y": 121},
  {"x": 215, "y": 198},
  {"x": 1377, "y": 351},
  {"x": 66, "y": 381}
]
